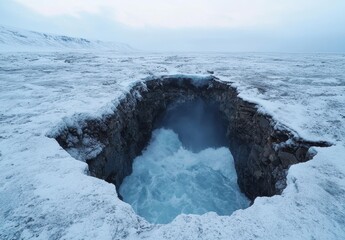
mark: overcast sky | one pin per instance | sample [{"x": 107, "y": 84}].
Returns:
[{"x": 189, "y": 25}]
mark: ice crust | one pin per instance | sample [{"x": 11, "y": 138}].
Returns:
[{"x": 168, "y": 180}]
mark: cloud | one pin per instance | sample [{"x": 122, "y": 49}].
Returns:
[
  {"x": 63, "y": 7},
  {"x": 173, "y": 14},
  {"x": 194, "y": 25}
]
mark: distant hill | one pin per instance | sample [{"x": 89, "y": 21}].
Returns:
[{"x": 13, "y": 39}]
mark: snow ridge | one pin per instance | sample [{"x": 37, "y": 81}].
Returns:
[{"x": 13, "y": 39}]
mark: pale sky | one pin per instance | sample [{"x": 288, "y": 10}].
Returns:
[{"x": 194, "y": 25}]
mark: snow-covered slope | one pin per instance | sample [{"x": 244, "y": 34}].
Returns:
[
  {"x": 47, "y": 194},
  {"x": 12, "y": 39}
]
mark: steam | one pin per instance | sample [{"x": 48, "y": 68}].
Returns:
[{"x": 198, "y": 124}]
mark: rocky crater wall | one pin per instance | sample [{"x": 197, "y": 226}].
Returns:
[{"x": 262, "y": 151}]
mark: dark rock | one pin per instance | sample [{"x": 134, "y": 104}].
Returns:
[
  {"x": 287, "y": 158},
  {"x": 301, "y": 154},
  {"x": 263, "y": 122}
]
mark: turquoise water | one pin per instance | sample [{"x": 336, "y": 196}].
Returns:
[{"x": 168, "y": 180}]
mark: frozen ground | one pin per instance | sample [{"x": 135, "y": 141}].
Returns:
[{"x": 46, "y": 194}]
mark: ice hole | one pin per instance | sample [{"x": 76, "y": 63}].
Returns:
[
  {"x": 171, "y": 138},
  {"x": 187, "y": 167}
]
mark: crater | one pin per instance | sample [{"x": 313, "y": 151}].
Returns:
[{"x": 186, "y": 144}]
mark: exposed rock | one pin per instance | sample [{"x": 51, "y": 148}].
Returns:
[{"x": 260, "y": 153}]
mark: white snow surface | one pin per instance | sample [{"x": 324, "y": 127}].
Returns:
[
  {"x": 17, "y": 40},
  {"x": 46, "y": 194}
]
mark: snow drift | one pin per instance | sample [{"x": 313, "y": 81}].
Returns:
[{"x": 13, "y": 39}]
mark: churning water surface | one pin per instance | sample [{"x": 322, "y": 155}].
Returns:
[{"x": 185, "y": 169}]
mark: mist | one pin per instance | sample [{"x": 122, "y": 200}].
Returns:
[{"x": 198, "y": 124}]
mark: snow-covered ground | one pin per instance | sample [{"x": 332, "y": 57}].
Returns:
[
  {"x": 14, "y": 40},
  {"x": 46, "y": 194}
]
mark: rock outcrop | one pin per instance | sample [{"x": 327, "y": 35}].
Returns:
[{"x": 262, "y": 151}]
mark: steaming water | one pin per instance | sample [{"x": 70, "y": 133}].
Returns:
[
  {"x": 198, "y": 124},
  {"x": 168, "y": 180}
]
